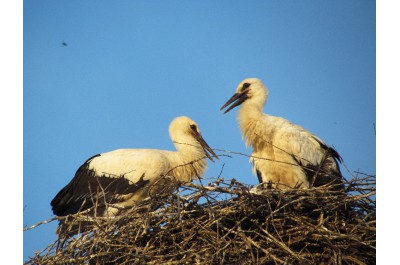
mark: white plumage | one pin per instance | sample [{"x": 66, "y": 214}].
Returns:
[
  {"x": 284, "y": 154},
  {"x": 112, "y": 181}
]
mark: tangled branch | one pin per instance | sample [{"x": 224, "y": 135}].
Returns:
[{"x": 228, "y": 222}]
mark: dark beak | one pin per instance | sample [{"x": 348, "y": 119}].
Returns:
[
  {"x": 206, "y": 148},
  {"x": 236, "y": 99}
]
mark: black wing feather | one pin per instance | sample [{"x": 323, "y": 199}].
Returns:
[
  {"x": 88, "y": 188},
  {"x": 259, "y": 175}
]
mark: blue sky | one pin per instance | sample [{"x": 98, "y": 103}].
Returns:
[{"x": 129, "y": 68}]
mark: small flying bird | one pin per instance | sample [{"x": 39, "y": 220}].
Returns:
[
  {"x": 110, "y": 182},
  {"x": 284, "y": 155},
  {"x": 64, "y": 44}
]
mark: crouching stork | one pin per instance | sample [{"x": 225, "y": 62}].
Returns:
[{"x": 110, "y": 182}]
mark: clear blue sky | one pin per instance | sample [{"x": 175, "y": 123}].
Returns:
[{"x": 129, "y": 68}]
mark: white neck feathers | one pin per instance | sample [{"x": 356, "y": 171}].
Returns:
[{"x": 188, "y": 162}]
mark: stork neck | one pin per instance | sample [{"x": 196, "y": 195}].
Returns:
[
  {"x": 189, "y": 162},
  {"x": 249, "y": 117},
  {"x": 249, "y": 113}
]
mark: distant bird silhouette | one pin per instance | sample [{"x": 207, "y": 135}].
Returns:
[
  {"x": 64, "y": 44},
  {"x": 284, "y": 154}
]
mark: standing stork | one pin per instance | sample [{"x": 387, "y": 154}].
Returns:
[
  {"x": 109, "y": 182},
  {"x": 284, "y": 154}
]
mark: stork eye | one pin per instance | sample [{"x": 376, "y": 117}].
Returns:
[
  {"x": 193, "y": 127},
  {"x": 245, "y": 86}
]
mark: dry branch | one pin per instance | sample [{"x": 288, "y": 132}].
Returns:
[{"x": 227, "y": 222}]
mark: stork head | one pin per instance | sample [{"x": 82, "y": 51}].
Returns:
[
  {"x": 185, "y": 133},
  {"x": 251, "y": 90}
]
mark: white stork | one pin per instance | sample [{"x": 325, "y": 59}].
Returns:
[
  {"x": 284, "y": 154},
  {"x": 109, "y": 182}
]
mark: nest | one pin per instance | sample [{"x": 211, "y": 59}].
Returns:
[{"x": 227, "y": 222}]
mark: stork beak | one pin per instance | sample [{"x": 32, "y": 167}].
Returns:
[
  {"x": 207, "y": 149},
  {"x": 236, "y": 99}
]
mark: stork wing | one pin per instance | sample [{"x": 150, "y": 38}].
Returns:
[
  {"x": 309, "y": 152},
  {"x": 111, "y": 178}
]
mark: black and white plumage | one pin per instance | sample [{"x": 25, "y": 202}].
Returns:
[
  {"x": 284, "y": 154},
  {"x": 109, "y": 182}
]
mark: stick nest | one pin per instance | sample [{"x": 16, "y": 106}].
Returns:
[{"x": 227, "y": 222}]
